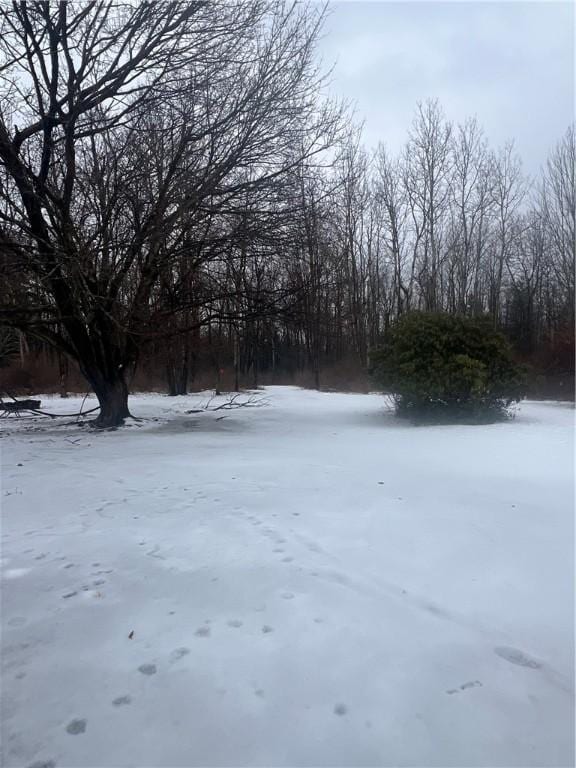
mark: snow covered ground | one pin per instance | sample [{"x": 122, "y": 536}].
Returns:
[{"x": 311, "y": 583}]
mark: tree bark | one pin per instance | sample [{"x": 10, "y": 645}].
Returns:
[
  {"x": 236, "y": 363},
  {"x": 177, "y": 369},
  {"x": 113, "y": 399},
  {"x": 63, "y": 374}
]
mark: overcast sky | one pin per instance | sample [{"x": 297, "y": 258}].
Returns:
[{"x": 509, "y": 63}]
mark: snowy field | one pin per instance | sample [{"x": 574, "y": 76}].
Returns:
[{"x": 310, "y": 583}]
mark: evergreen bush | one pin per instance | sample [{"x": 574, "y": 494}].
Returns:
[{"x": 452, "y": 368}]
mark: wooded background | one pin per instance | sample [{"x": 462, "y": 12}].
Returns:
[{"x": 181, "y": 208}]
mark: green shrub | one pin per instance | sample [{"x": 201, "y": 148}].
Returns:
[{"x": 443, "y": 367}]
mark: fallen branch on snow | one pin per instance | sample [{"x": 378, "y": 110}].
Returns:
[{"x": 233, "y": 402}]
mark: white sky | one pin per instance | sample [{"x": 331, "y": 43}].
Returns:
[{"x": 509, "y": 63}]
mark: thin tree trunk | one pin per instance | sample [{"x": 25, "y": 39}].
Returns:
[
  {"x": 236, "y": 362},
  {"x": 63, "y": 374},
  {"x": 177, "y": 367}
]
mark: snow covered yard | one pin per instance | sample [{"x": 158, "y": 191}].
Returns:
[{"x": 312, "y": 583}]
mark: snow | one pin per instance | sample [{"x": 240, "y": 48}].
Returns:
[{"x": 309, "y": 583}]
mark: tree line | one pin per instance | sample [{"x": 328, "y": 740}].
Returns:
[{"x": 174, "y": 187}]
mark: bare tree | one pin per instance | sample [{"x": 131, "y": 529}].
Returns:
[
  {"x": 391, "y": 197},
  {"x": 469, "y": 207},
  {"x": 124, "y": 127},
  {"x": 427, "y": 164},
  {"x": 509, "y": 189},
  {"x": 558, "y": 204}
]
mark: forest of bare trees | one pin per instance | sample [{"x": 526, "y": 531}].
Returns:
[{"x": 176, "y": 195}]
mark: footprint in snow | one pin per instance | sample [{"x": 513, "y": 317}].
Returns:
[
  {"x": 179, "y": 653},
  {"x": 235, "y": 623},
  {"x": 287, "y": 596},
  {"x": 471, "y": 684},
  {"x": 147, "y": 669},
  {"x": 465, "y": 686},
  {"x": 267, "y": 629},
  {"x": 202, "y": 632},
  {"x": 122, "y": 701},
  {"x": 75, "y": 727},
  {"x": 340, "y": 710},
  {"x": 515, "y": 656},
  {"x": 43, "y": 764}
]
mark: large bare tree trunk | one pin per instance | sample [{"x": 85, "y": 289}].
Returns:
[{"x": 112, "y": 397}]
